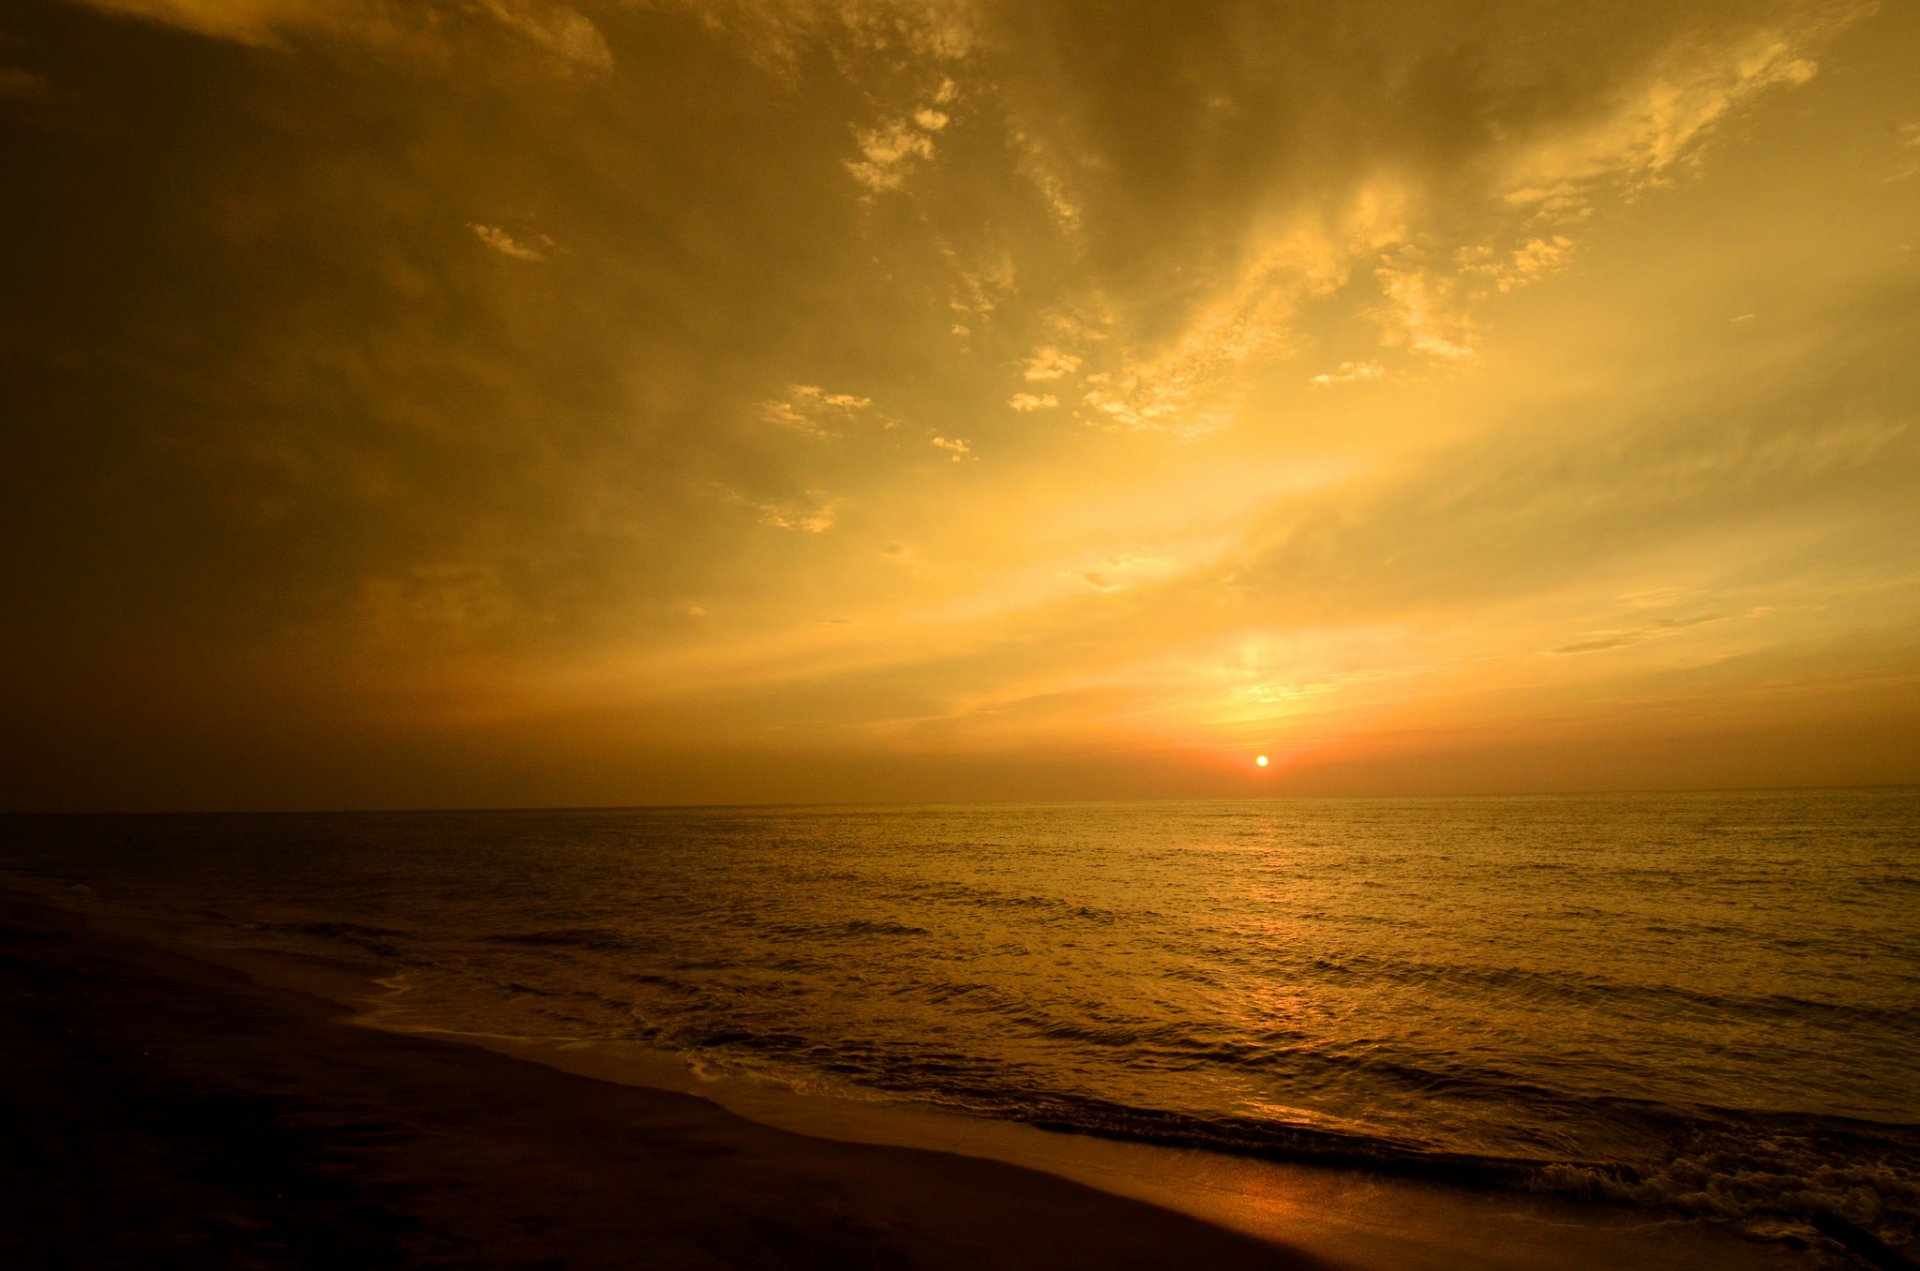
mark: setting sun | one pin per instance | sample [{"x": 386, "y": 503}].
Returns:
[{"x": 1261, "y": 761}]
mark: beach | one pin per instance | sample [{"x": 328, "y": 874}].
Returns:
[{"x": 169, "y": 1112}]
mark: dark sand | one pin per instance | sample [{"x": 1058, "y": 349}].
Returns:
[{"x": 161, "y": 1111}]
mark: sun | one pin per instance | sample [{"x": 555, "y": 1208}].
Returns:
[{"x": 1260, "y": 761}]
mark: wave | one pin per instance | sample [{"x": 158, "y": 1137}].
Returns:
[
  {"x": 598, "y": 939},
  {"x": 1765, "y": 1179},
  {"x": 1858, "y": 1186},
  {"x": 383, "y": 942},
  {"x": 851, "y": 929},
  {"x": 1785, "y": 1176},
  {"x": 971, "y": 896},
  {"x": 1522, "y": 984}
]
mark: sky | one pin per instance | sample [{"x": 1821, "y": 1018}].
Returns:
[{"x": 516, "y": 402}]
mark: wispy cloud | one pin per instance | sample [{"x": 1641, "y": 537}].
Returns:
[
  {"x": 1049, "y": 363},
  {"x": 1907, "y": 139},
  {"x": 890, "y": 152},
  {"x": 812, "y": 515},
  {"x": 779, "y": 34},
  {"x": 1659, "y": 122},
  {"x": 507, "y": 245},
  {"x": 1425, "y": 311},
  {"x": 1528, "y": 263},
  {"x": 1619, "y": 639},
  {"x": 808, "y": 408},
  {"x": 434, "y": 604},
  {"x": 19, "y": 84},
  {"x": 557, "y": 30},
  {"x": 1349, "y": 373}
]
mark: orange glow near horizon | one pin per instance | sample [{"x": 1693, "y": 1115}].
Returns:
[{"x": 949, "y": 401}]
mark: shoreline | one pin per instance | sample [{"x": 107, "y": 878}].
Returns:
[
  {"x": 171, "y": 1111},
  {"x": 1256, "y": 1213}
]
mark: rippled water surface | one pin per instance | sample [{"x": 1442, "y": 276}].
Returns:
[{"x": 1703, "y": 1002}]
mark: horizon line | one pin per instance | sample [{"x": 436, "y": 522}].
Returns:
[{"x": 444, "y": 810}]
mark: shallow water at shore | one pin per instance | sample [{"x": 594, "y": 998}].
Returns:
[{"x": 1688, "y": 1004}]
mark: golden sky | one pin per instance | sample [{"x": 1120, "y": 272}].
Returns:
[{"x": 481, "y": 402}]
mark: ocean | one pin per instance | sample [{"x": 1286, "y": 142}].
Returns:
[{"x": 1704, "y": 1005}]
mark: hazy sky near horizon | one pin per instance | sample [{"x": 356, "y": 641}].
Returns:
[{"x": 516, "y": 402}]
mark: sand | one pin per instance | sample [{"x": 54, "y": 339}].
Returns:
[{"x": 162, "y": 1111}]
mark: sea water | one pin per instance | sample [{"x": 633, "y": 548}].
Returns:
[{"x": 1696, "y": 1004}]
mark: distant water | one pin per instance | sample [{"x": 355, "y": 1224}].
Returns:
[{"x": 1704, "y": 1003}]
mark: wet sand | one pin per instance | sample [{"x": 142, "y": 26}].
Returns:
[{"x": 162, "y": 1111}]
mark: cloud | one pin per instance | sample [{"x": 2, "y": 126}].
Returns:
[
  {"x": 1425, "y": 311},
  {"x": 507, "y": 245},
  {"x": 813, "y": 515},
  {"x": 891, "y": 151},
  {"x": 1528, "y": 263},
  {"x": 778, "y": 35},
  {"x": 1049, "y": 363},
  {"x": 1211, "y": 227},
  {"x": 440, "y": 604},
  {"x": 957, "y": 449},
  {"x": 562, "y": 31},
  {"x": 1431, "y": 305},
  {"x": 1121, "y": 570},
  {"x": 1349, "y": 373},
  {"x": 1659, "y": 121},
  {"x": 1907, "y": 138},
  {"x": 981, "y": 289},
  {"x": 1191, "y": 385},
  {"x": 1634, "y": 635},
  {"x": 19, "y": 84},
  {"x": 811, "y": 409},
  {"x": 1026, "y": 402},
  {"x": 1150, "y": 398},
  {"x": 1507, "y": 517},
  {"x": 888, "y": 153},
  {"x": 557, "y": 29},
  {"x": 1539, "y": 257},
  {"x": 258, "y": 22}
]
